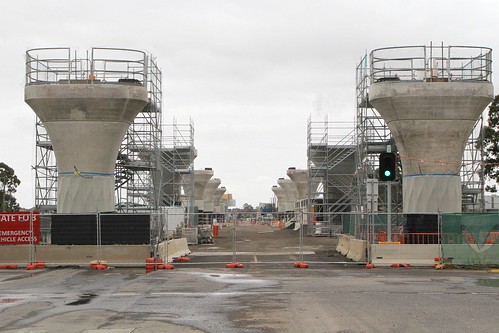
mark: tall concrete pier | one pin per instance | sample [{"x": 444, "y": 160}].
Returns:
[
  {"x": 86, "y": 110},
  {"x": 282, "y": 200},
  {"x": 201, "y": 178},
  {"x": 300, "y": 179},
  {"x": 290, "y": 191},
  {"x": 217, "y": 198},
  {"x": 209, "y": 193},
  {"x": 430, "y": 105}
]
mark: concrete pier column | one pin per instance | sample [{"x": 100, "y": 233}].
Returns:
[
  {"x": 209, "y": 192},
  {"x": 282, "y": 200},
  {"x": 217, "y": 198},
  {"x": 300, "y": 179},
  {"x": 290, "y": 191},
  {"x": 86, "y": 123},
  {"x": 201, "y": 178},
  {"x": 431, "y": 122}
]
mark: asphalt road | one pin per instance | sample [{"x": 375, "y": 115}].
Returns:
[{"x": 267, "y": 295}]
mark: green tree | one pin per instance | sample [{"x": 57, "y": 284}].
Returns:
[
  {"x": 9, "y": 182},
  {"x": 491, "y": 145},
  {"x": 248, "y": 208}
]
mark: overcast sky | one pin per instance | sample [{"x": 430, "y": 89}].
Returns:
[{"x": 248, "y": 73}]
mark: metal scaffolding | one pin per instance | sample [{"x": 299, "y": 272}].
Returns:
[
  {"x": 177, "y": 166},
  {"x": 373, "y": 137},
  {"x": 138, "y": 166},
  {"x": 331, "y": 163},
  {"x": 472, "y": 171},
  {"x": 45, "y": 171}
]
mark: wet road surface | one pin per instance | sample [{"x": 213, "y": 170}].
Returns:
[{"x": 267, "y": 295}]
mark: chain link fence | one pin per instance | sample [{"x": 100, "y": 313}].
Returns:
[{"x": 463, "y": 239}]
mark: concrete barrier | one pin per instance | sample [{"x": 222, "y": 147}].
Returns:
[
  {"x": 340, "y": 243},
  {"x": 77, "y": 255},
  {"x": 357, "y": 250},
  {"x": 346, "y": 245},
  {"x": 414, "y": 254},
  {"x": 174, "y": 248}
]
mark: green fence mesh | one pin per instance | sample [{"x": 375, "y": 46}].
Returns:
[{"x": 471, "y": 239}]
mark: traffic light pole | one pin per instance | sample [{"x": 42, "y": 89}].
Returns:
[
  {"x": 389, "y": 211},
  {"x": 387, "y": 173}
]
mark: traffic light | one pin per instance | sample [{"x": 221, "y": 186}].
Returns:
[{"x": 387, "y": 166}]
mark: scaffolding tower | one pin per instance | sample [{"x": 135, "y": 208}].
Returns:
[
  {"x": 138, "y": 164},
  {"x": 177, "y": 166},
  {"x": 331, "y": 153},
  {"x": 373, "y": 138}
]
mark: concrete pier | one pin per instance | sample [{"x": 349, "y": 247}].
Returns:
[
  {"x": 300, "y": 179},
  {"x": 282, "y": 200},
  {"x": 431, "y": 122},
  {"x": 217, "y": 198},
  {"x": 86, "y": 123},
  {"x": 201, "y": 178},
  {"x": 209, "y": 192},
  {"x": 290, "y": 191}
]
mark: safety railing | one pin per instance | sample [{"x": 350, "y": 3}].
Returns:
[
  {"x": 100, "y": 65},
  {"x": 431, "y": 63}
]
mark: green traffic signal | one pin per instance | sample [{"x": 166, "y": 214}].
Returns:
[{"x": 387, "y": 166}]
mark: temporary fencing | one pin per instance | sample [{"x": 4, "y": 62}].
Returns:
[
  {"x": 470, "y": 239},
  {"x": 90, "y": 240},
  {"x": 417, "y": 239},
  {"x": 85, "y": 239},
  {"x": 385, "y": 238},
  {"x": 127, "y": 239}
]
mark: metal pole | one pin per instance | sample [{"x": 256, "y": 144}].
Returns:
[
  {"x": 439, "y": 226},
  {"x": 389, "y": 211},
  {"x": 370, "y": 218},
  {"x": 233, "y": 240},
  {"x": 300, "y": 241},
  {"x": 167, "y": 240},
  {"x": 31, "y": 239},
  {"x": 99, "y": 241},
  {"x": 482, "y": 166}
]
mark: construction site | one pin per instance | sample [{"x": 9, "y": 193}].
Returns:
[
  {"x": 421, "y": 105},
  {"x": 128, "y": 235}
]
